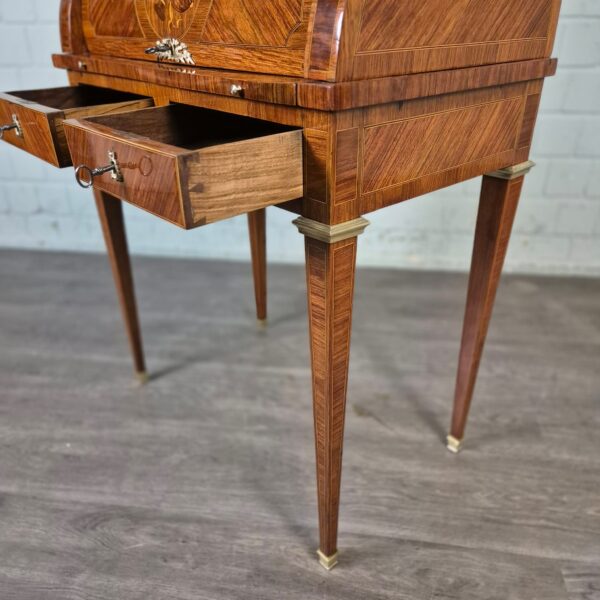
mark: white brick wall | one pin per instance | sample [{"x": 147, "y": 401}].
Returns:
[{"x": 557, "y": 228}]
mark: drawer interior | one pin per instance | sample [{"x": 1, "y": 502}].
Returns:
[
  {"x": 74, "y": 98},
  {"x": 39, "y": 115},
  {"x": 190, "y": 165},
  {"x": 188, "y": 127}
]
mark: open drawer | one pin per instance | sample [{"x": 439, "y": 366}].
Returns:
[
  {"x": 188, "y": 165},
  {"x": 32, "y": 120}
]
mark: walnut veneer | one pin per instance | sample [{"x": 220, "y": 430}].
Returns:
[{"x": 200, "y": 110}]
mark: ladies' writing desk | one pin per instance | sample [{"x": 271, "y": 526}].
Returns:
[{"x": 201, "y": 110}]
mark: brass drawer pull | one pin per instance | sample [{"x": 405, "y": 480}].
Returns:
[
  {"x": 14, "y": 125},
  {"x": 85, "y": 175}
]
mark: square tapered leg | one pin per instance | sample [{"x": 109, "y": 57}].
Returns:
[{"x": 497, "y": 207}]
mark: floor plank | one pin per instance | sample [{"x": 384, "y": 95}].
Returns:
[
  {"x": 582, "y": 581},
  {"x": 201, "y": 484}
]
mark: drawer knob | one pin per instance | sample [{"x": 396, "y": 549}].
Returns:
[
  {"x": 85, "y": 175},
  {"x": 14, "y": 125},
  {"x": 237, "y": 90}
]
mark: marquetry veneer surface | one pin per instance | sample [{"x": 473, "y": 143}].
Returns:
[{"x": 334, "y": 40}]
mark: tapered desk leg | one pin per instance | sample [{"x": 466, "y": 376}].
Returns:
[
  {"x": 330, "y": 266},
  {"x": 258, "y": 246},
  {"x": 110, "y": 211},
  {"x": 497, "y": 207}
]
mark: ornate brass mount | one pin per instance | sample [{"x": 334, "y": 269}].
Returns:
[{"x": 171, "y": 49}]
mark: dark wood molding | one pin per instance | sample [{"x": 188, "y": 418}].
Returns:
[
  {"x": 257, "y": 225},
  {"x": 110, "y": 212},
  {"x": 497, "y": 209},
  {"x": 71, "y": 27}
]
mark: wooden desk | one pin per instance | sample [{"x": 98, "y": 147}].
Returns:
[{"x": 198, "y": 111}]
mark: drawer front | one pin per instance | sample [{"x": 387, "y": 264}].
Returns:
[
  {"x": 37, "y": 129},
  {"x": 40, "y": 114},
  {"x": 150, "y": 178},
  {"x": 191, "y": 166}
]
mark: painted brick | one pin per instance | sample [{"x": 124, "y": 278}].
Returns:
[
  {"x": 535, "y": 216},
  {"x": 567, "y": 178},
  {"x": 581, "y": 8},
  {"x": 577, "y": 217},
  {"x": 14, "y": 46},
  {"x": 583, "y": 92},
  {"x": 4, "y": 204},
  {"x": 581, "y": 43},
  {"x": 557, "y": 135},
  {"x": 588, "y": 143},
  {"x": 18, "y": 12},
  {"x": 557, "y": 229},
  {"x": 46, "y": 11},
  {"x": 585, "y": 251},
  {"x": 592, "y": 188}
]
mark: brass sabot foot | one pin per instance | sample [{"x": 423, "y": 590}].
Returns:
[
  {"x": 327, "y": 562},
  {"x": 142, "y": 377},
  {"x": 453, "y": 444}
]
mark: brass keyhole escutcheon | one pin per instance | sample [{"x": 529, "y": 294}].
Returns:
[
  {"x": 85, "y": 175},
  {"x": 16, "y": 125}
]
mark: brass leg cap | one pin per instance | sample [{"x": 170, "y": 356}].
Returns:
[
  {"x": 262, "y": 323},
  {"x": 327, "y": 562},
  {"x": 142, "y": 377},
  {"x": 453, "y": 444}
]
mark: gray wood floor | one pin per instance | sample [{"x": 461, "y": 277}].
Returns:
[{"x": 201, "y": 485}]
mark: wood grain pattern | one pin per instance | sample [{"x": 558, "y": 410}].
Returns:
[
  {"x": 71, "y": 27},
  {"x": 497, "y": 209},
  {"x": 529, "y": 118},
  {"x": 324, "y": 44},
  {"x": 398, "y": 152},
  {"x": 149, "y": 170},
  {"x": 254, "y": 23},
  {"x": 190, "y": 166},
  {"x": 450, "y": 22},
  {"x": 110, "y": 213},
  {"x": 430, "y": 148},
  {"x": 311, "y": 94},
  {"x": 311, "y": 38},
  {"x": 330, "y": 283},
  {"x": 318, "y": 142},
  {"x": 42, "y": 112},
  {"x": 247, "y": 36},
  {"x": 258, "y": 248},
  {"x": 370, "y": 92},
  {"x": 446, "y": 34},
  {"x": 316, "y": 164},
  {"x": 112, "y": 21},
  {"x": 38, "y": 125},
  {"x": 239, "y": 177},
  {"x": 346, "y": 166},
  {"x": 264, "y": 88},
  {"x": 163, "y": 95}
]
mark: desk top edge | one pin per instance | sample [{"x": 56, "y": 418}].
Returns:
[{"x": 306, "y": 93}]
